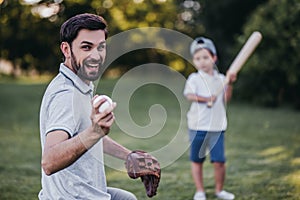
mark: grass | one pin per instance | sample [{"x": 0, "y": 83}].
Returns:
[{"x": 262, "y": 147}]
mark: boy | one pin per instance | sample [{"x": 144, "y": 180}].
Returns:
[{"x": 207, "y": 125}]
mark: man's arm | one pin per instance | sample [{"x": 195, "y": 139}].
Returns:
[
  {"x": 60, "y": 151},
  {"x": 114, "y": 149}
]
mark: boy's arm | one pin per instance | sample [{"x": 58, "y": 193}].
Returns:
[
  {"x": 229, "y": 88},
  {"x": 200, "y": 99},
  {"x": 228, "y": 93}
]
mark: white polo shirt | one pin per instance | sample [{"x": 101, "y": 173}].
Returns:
[
  {"x": 201, "y": 117},
  {"x": 67, "y": 106}
]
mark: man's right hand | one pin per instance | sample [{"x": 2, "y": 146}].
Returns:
[{"x": 101, "y": 122}]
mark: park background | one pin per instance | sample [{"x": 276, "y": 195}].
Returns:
[{"x": 263, "y": 135}]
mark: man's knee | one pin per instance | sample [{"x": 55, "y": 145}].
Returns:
[
  {"x": 131, "y": 196},
  {"x": 128, "y": 195},
  {"x": 117, "y": 194}
]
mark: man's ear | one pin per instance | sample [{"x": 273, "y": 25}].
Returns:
[{"x": 65, "y": 49}]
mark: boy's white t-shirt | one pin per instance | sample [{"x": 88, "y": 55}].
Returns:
[{"x": 201, "y": 117}]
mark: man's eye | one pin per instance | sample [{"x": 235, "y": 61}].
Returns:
[
  {"x": 101, "y": 47},
  {"x": 86, "y": 47}
]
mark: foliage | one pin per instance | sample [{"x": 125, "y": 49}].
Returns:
[
  {"x": 273, "y": 76},
  {"x": 223, "y": 21},
  {"x": 34, "y": 32},
  {"x": 35, "y": 35},
  {"x": 30, "y": 37},
  {"x": 24, "y": 38}
]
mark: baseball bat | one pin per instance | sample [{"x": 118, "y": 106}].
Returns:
[{"x": 240, "y": 60}]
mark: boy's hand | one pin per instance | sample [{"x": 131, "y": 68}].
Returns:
[
  {"x": 213, "y": 98},
  {"x": 211, "y": 101},
  {"x": 232, "y": 76}
]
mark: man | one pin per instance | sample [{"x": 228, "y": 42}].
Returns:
[{"x": 73, "y": 132}]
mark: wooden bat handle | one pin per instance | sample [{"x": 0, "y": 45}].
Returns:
[
  {"x": 240, "y": 60},
  {"x": 245, "y": 52}
]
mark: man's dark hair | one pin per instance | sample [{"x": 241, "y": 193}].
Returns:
[{"x": 69, "y": 30}]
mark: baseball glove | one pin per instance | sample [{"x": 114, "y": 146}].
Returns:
[{"x": 141, "y": 164}]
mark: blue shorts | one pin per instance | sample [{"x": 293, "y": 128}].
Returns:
[{"x": 204, "y": 142}]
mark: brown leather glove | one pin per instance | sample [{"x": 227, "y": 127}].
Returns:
[{"x": 142, "y": 164}]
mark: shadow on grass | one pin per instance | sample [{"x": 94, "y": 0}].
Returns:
[{"x": 263, "y": 145}]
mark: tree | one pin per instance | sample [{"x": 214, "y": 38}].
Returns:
[
  {"x": 272, "y": 77},
  {"x": 24, "y": 38},
  {"x": 30, "y": 39},
  {"x": 222, "y": 21},
  {"x": 34, "y": 33}
]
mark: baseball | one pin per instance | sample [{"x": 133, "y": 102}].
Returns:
[{"x": 108, "y": 103}]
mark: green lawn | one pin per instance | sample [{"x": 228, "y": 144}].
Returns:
[{"x": 263, "y": 147}]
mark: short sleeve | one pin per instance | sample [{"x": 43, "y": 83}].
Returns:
[
  {"x": 190, "y": 86},
  {"x": 61, "y": 113}
]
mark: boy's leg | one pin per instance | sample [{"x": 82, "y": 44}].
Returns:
[
  {"x": 198, "y": 175},
  {"x": 218, "y": 158},
  {"x": 219, "y": 176},
  {"x": 197, "y": 157},
  {"x": 217, "y": 153},
  {"x": 117, "y": 194}
]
